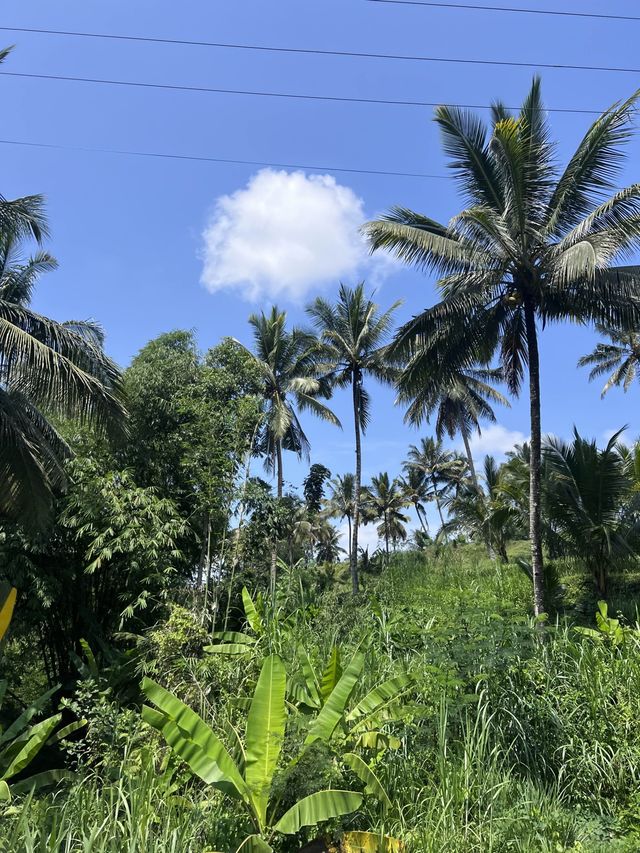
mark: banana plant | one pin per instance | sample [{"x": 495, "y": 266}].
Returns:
[
  {"x": 245, "y": 772},
  {"x": 337, "y": 717},
  {"x": 21, "y": 741},
  {"x": 238, "y": 643}
]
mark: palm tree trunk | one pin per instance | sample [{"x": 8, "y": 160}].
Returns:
[
  {"x": 386, "y": 536},
  {"x": 349, "y": 538},
  {"x": 420, "y": 518},
  {"x": 353, "y": 557},
  {"x": 279, "y": 468},
  {"x": 467, "y": 448},
  {"x": 535, "y": 513},
  {"x": 280, "y": 487},
  {"x": 435, "y": 495}
]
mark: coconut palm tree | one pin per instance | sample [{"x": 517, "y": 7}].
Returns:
[
  {"x": 385, "y": 499},
  {"x": 592, "y": 503},
  {"x": 534, "y": 245},
  {"x": 339, "y": 504},
  {"x": 621, "y": 356},
  {"x": 47, "y": 370},
  {"x": 353, "y": 334},
  {"x": 416, "y": 489},
  {"x": 484, "y": 512},
  {"x": 327, "y": 542},
  {"x": 460, "y": 400},
  {"x": 441, "y": 469},
  {"x": 286, "y": 362}
]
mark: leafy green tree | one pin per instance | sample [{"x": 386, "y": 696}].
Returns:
[
  {"x": 313, "y": 487},
  {"x": 48, "y": 371},
  {"x": 353, "y": 334},
  {"x": 620, "y": 356},
  {"x": 385, "y": 499},
  {"x": 193, "y": 419},
  {"x": 110, "y": 562},
  {"x": 534, "y": 246}
]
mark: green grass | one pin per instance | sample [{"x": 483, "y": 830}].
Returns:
[{"x": 515, "y": 739}]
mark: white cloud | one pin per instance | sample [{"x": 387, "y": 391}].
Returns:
[
  {"x": 285, "y": 234},
  {"x": 496, "y": 439}
]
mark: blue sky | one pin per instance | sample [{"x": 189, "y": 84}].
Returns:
[{"x": 128, "y": 231}]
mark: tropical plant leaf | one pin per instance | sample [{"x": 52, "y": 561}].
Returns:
[
  {"x": 153, "y": 718},
  {"x": 236, "y": 746},
  {"x": 6, "y": 610},
  {"x": 265, "y": 732},
  {"x": 378, "y": 741},
  {"x": 233, "y": 637},
  {"x": 372, "y": 784},
  {"x": 38, "y": 736},
  {"x": 380, "y": 696},
  {"x": 21, "y": 722},
  {"x": 331, "y": 674},
  {"x": 310, "y": 677},
  {"x": 242, "y": 703},
  {"x": 92, "y": 664},
  {"x": 332, "y": 712},
  {"x": 254, "y": 844},
  {"x": 370, "y": 842},
  {"x": 193, "y": 741},
  {"x": 251, "y": 612},
  {"x": 41, "y": 780},
  {"x": 64, "y": 732},
  {"x": 300, "y": 697},
  {"x": 323, "y": 805}
]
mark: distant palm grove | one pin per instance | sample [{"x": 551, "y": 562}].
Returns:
[{"x": 199, "y": 657}]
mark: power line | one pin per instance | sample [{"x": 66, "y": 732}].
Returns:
[
  {"x": 320, "y": 52},
  {"x": 220, "y": 160},
  {"x": 268, "y": 94},
  {"x": 515, "y": 9}
]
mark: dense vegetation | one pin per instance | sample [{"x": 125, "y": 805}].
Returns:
[{"x": 193, "y": 661}]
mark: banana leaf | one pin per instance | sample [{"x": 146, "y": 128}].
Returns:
[
  {"x": 8, "y": 599},
  {"x": 380, "y": 696},
  {"x": 38, "y": 735},
  {"x": 332, "y": 712},
  {"x": 370, "y": 842},
  {"x": 254, "y": 844},
  {"x": 331, "y": 675},
  {"x": 318, "y": 807},
  {"x": 251, "y": 612},
  {"x": 310, "y": 677},
  {"x": 373, "y": 785},
  {"x": 192, "y": 739},
  {"x": 21, "y": 722},
  {"x": 265, "y": 732}
]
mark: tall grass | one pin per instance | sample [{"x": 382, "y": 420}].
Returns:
[{"x": 510, "y": 743}]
